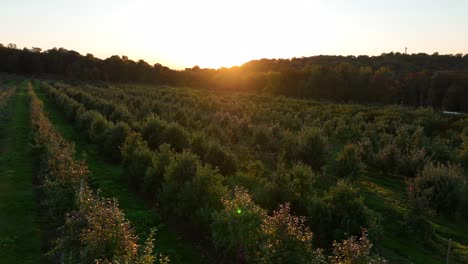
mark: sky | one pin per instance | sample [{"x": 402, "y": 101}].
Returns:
[{"x": 217, "y": 33}]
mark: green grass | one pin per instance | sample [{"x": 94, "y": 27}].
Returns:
[
  {"x": 387, "y": 196},
  {"x": 19, "y": 228},
  {"x": 108, "y": 178}
]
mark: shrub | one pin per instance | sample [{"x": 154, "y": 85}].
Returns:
[
  {"x": 347, "y": 131},
  {"x": 98, "y": 232},
  {"x": 176, "y": 136},
  {"x": 439, "y": 149},
  {"x": 202, "y": 197},
  {"x": 287, "y": 186},
  {"x": 463, "y": 154},
  {"x": 413, "y": 162},
  {"x": 290, "y": 146},
  {"x": 286, "y": 239},
  {"x": 72, "y": 109},
  {"x": 137, "y": 159},
  {"x": 120, "y": 113},
  {"x": 367, "y": 150},
  {"x": 261, "y": 136},
  {"x": 84, "y": 119},
  {"x": 302, "y": 180},
  {"x": 442, "y": 187},
  {"x": 415, "y": 225},
  {"x": 182, "y": 168},
  {"x": 199, "y": 144},
  {"x": 98, "y": 128},
  {"x": 114, "y": 139},
  {"x": 349, "y": 162},
  {"x": 237, "y": 227},
  {"x": 387, "y": 158},
  {"x": 340, "y": 211},
  {"x": 355, "y": 251},
  {"x": 313, "y": 148},
  {"x": 154, "y": 176},
  {"x": 152, "y": 130},
  {"x": 60, "y": 174},
  {"x": 179, "y": 173},
  {"x": 221, "y": 158}
]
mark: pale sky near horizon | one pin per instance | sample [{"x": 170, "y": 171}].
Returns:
[{"x": 218, "y": 33}]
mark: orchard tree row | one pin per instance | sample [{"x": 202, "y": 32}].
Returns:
[{"x": 89, "y": 228}]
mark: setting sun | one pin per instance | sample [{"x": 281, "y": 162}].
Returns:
[
  {"x": 207, "y": 33},
  {"x": 214, "y": 34}
]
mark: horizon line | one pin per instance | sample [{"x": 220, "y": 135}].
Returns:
[{"x": 174, "y": 66}]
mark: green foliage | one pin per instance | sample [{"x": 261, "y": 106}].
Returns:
[
  {"x": 183, "y": 167},
  {"x": 85, "y": 118},
  {"x": 463, "y": 152},
  {"x": 463, "y": 155},
  {"x": 355, "y": 251},
  {"x": 154, "y": 176},
  {"x": 98, "y": 127},
  {"x": 349, "y": 162},
  {"x": 136, "y": 158},
  {"x": 114, "y": 139},
  {"x": 415, "y": 226},
  {"x": 120, "y": 113},
  {"x": 202, "y": 197},
  {"x": 387, "y": 158},
  {"x": 237, "y": 226},
  {"x": 288, "y": 186},
  {"x": 199, "y": 144},
  {"x": 98, "y": 232},
  {"x": 286, "y": 239},
  {"x": 152, "y": 131},
  {"x": 181, "y": 170},
  {"x": 313, "y": 148},
  {"x": 221, "y": 158},
  {"x": 278, "y": 149},
  {"x": 442, "y": 187},
  {"x": 176, "y": 136},
  {"x": 411, "y": 163},
  {"x": 439, "y": 149},
  {"x": 261, "y": 136},
  {"x": 340, "y": 211},
  {"x": 274, "y": 82}
]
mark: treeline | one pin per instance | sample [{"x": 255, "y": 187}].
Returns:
[
  {"x": 440, "y": 81},
  {"x": 72, "y": 65}
]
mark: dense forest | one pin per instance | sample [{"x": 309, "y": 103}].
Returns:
[{"x": 440, "y": 81}]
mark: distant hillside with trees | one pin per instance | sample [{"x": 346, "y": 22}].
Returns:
[{"x": 439, "y": 81}]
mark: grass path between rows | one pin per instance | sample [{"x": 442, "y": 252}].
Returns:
[
  {"x": 19, "y": 227},
  {"x": 387, "y": 195},
  {"x": 108, "y": 178}
]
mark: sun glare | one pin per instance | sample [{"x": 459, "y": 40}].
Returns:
[{"x": 225, "y": 34}]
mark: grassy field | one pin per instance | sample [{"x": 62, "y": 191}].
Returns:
[
  {"x": 19, "y": 228},
  {"x": 108, "y": 178}
]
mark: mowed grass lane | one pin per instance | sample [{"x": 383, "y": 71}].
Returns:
[{"x": 19, "y": 228}]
